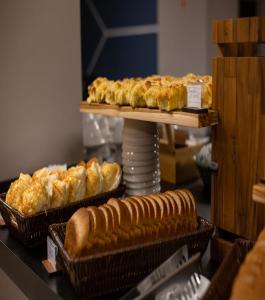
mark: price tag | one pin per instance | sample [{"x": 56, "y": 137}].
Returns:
[
  {"x": 52, "y": 251},
  {"x": 194, "y": 98},
  {"x": 50, "y": 263}
]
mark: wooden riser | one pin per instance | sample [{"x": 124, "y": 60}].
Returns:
[{"x": 152, "y": 115}]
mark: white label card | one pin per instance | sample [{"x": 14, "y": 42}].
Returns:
[
  {"x": 194, "y": 95},
  {"x": 52, "y": 251}
]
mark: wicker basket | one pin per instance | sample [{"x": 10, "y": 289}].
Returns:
[
  {"x": 221, "y": 285},
  {"x": 32, "y": 230},
  {"x": 102, "y": 274}
]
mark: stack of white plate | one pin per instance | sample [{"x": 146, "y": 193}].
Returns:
[{"x": 140, "y": 157}]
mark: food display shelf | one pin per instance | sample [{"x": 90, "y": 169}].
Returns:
[{"x": 153, "y": 115}]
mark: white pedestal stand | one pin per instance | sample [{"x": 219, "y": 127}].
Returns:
[{"x": 140, "y": 157}]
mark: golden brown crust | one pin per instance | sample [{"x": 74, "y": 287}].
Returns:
[
  {"x": 164, "y": 92},
  {"x": 77, "y": 234},
  {"x": 249, "y": 282},
  {"x": 133, "y": 220}
]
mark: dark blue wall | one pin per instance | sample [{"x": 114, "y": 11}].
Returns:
[{"x": 124, "y": 56}]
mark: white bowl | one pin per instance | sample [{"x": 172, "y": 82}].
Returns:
[
  {"x": 141, "y": 163},
  {"x": 145, "y": 140},
  {"x": 141, "y": 177},
  {"x": 139, "y": 148},
  {"x": 140, "y": 192},
  {"x": 143, "y": 128},
  {"x": 142, "y": 185},
  {"x": 136, "y": 156},
  {"x": 141, "y": 169}
]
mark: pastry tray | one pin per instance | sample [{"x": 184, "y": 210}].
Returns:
[
  {"x": 98, "y": 275},
  {"x": 33, "y": 230},
  {"x": 222, "y": 282}
]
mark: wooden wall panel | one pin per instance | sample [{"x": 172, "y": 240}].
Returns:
[{"x": 238, "y": 143}]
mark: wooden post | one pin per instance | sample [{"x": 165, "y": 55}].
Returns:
[{"x": 239, "y": 137}]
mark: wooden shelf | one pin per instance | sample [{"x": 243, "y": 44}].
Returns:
[
  {"x": 258, "y": 193},
  {"x": 152, "y": 115}
]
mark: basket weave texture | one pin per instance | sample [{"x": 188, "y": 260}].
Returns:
[
  {"x": 33, "y": 230},
  {"x": 98, "y": 275},
  {"x": 222, "y": 282}
]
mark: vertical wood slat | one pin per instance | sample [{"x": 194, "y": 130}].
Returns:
[
  {"x": 242, "y": 143},
  {"x": 214, "y": 206},
  {"x": 254, "y": 32},
  {"x": 229, "y": 129},
  {"x": 257, "y": 92},
  {"x": 242, "y": 30},
  {"x": 217, "y": 190}
]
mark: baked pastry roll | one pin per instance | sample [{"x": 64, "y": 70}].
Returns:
[
  {"x": 111, "y": 173},
  {"x": 94, "y": 90},
  {"x": 16, "y": 190},
  {"x": 151, "y": 94},
  {"x": 94, "y": 179},
  {"x": 136, "y": 94},
  {"x": 60, "y": 193},
  {"x": 75, "y": 177},
  {"x": 41, "y": 173},
  {"x": 120, "y": 93},
  {"x": 110, "y": 92},
  {"x": 35, "y": 198},
  {"x": 171, "y": 97},
  {"x": 101, "y": 90}
]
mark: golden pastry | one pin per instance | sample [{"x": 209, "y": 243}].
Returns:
[
  {"x": 163, "y": 92},
  {"x": 60, "y": 193},
  {"x": 76, "y": 178},
  {"x": 111, "y": 176},
  {"x": 16, "y": 190},
  {"x": 94, "y": 179},
  {"x": 35, "y": 198}
]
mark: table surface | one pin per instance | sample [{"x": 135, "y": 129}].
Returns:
[{"x": 24, "y": 267}]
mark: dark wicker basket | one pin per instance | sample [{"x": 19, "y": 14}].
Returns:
[
  {"x": 222, "y": 282},
  {"x": 33, "y": 230},
  {"x": 102, "y": 274}
]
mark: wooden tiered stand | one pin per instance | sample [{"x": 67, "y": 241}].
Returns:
[
  {"x": 152, "y": 116},
  {"x": 239, "y": 138}
]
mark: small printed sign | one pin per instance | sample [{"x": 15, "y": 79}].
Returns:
[
  {"x": 52, "y": 251},
  {"x": 50, "y": 263},
  {"x": 194, "y": 95}
]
